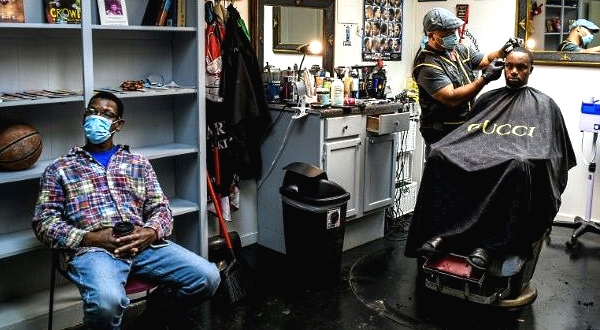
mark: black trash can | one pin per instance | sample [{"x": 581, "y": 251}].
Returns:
[{"x": 314, "y": 219}]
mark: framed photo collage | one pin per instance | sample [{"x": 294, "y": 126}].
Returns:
[{"x": 382, "y": 32}]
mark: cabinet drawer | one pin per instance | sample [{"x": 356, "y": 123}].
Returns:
[
  {"x": 388, "y": 123},
  {"x": 342, "y": 127}
]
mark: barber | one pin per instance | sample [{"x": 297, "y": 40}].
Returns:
[
  {"x": 445, "y": 72},
  {"x": 581, "y": 33}
]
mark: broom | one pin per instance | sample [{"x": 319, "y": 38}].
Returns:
[{"x": 237, "y": 276}]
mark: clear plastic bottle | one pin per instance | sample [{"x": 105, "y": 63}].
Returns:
[{"x": 337, "y": 92}]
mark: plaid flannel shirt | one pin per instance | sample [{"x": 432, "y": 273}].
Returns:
[{"x": 78, "y": 195}]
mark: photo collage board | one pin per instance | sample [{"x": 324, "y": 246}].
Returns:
[{"x": 382, "y": 30}]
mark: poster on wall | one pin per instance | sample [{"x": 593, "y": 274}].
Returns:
[{"x": 382, "y": 30}]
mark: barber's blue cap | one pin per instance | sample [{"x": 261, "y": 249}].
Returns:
[
  {"x": 441, "y": 19},
  {"x": 586, "y": 24}
]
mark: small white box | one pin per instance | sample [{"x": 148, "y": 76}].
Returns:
[
  {"x": 408, "y": 198},
  {"x": 406, "y": 142},
  {"x": 589, "y": 123}
]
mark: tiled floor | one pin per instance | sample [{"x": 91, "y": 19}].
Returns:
[{"x": 377, "y": 290}]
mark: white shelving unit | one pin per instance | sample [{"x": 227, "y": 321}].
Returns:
[
  {"x": 565, "y": 11},
  {"x": 167, "y": 126}
]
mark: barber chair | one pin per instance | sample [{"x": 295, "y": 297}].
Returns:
[{"x": 505, "y": 283}]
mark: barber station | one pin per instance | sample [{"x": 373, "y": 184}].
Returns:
[{"x": 299, "y": 164}]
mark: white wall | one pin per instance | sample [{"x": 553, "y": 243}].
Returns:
[
  {"x": 561, "y": 84},
  {"x": 492, "y": 22}
]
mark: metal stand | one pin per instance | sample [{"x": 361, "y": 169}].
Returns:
[{"x": 584, "y": 225}]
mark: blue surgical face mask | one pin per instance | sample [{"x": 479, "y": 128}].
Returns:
[
  {"x": 424, "y": 41},
  {"x": 587, "y": 39},
  {"x": 97, "y": 128},
  {"x": 450, "y": 41}
]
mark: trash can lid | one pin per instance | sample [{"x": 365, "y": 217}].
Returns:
[
  {"x": 305, "y": 170},
  {"x": 305, "y": 176},
  {"x": 325, "y": 192}
]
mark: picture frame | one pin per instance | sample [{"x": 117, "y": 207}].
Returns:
[
  {"x": 382, "y": 30},
  {"x": 63, "y": 11},
  {"x": 11, "y": 11},
  {"x": 112, "y": 12}
]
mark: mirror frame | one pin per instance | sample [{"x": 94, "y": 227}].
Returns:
[
  {"x": 545, "y": 57},
  {"x": 278, "y": 45},
  {"x": 257, "y": 26}
]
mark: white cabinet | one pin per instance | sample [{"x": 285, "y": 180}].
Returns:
[
  {"x": 343, "y": 156},
  {"x": 342, "y": 162},
  {"x": 363, "y": 164},
  {"x": 165, "y": 125},
  {"x": 379, "y": 174}
]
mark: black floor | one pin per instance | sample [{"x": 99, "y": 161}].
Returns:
[{"x": 376, "y": 290}]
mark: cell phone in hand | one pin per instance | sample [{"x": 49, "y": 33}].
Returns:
[{"x": 159, "y": 243}]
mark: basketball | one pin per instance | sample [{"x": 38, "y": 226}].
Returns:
[{"x": 20, "y": 146}]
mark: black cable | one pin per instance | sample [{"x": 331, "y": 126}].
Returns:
[{"x": 397, "y": 219}]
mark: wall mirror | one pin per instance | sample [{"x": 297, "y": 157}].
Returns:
[
  {"x": 294, "y": 26},
  {"x": 326, "y": 7},
  {"x": 548, "y": 25}
]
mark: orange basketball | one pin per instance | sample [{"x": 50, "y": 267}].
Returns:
[{"x": 20, "y": 146}]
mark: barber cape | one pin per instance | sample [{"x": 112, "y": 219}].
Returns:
[{"x": 495, "y": 181}]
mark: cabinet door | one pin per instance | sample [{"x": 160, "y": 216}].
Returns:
[
  {"x": 379, "y": 175},
  {"x": 342, "y": 162}
]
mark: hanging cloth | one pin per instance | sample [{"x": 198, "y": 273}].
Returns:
[
  {"x": 244, "y": 97},
  {"x": 220, "y": 11},
  {"x": 209, "y": 12},
  {"x": 214, "y": 35}
]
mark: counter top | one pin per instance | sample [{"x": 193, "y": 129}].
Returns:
[{"x": 370, "y": 109}]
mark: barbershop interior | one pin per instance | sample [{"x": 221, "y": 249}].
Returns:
[{"x": 293, "y": 141}]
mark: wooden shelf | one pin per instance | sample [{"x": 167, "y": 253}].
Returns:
[
  {"x": 156, "y": 92},
  {"x": 20, "y": 242},
  {"x": 43, "y": 26},
  {"x": 151, "y": 152},
  {"x": 167, "y": 127},
  {"x": 31, "y": 311},
  {"x": 143, "y": 28},
  {"x": 17, "y": 103}
]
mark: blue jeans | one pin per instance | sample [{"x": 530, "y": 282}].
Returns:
[{"x": 101, "y": 279}]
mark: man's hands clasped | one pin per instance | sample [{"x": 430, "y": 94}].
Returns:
[
  {"x": 124, "y": 246},
  {"x": 130, "y": 245}
]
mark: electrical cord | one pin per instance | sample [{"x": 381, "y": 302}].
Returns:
[
  {"x": 593, "y": 160},
  {"x": 281, "y": 147},
  {"x": 397, "y": 219}
]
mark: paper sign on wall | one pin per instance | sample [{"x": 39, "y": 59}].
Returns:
[{"x": 346, "y": 11}]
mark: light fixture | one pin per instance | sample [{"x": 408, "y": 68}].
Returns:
[
  {"x": 300, "y": 86},
  {"x": 312, "y": 48}
]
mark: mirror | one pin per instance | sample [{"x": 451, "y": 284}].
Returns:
[
  {"x": 327, "y": 7},
  {"x": 548, "y": 26},
  {"x": 293, "y": 27}
]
